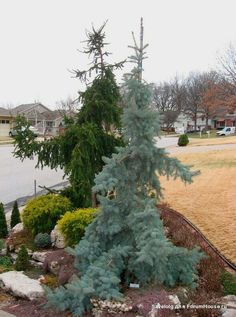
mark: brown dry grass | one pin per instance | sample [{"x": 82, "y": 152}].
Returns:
[
  {"x": 213, "y": 141},
  {"x": 210, "y": 201}
]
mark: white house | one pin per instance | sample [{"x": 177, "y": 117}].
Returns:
[{"x": 185, "y": 122}]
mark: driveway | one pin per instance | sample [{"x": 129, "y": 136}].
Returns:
[
  {"x": 166, "y": 141},
  {"x": 17, "y": 178}
]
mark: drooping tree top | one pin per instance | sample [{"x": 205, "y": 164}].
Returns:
[{"x": 95, "y": 48}]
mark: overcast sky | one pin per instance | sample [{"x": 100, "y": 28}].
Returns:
[{"x": 40, "y": 41}]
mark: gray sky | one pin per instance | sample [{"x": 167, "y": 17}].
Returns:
[{"x": 40, "y": 38}]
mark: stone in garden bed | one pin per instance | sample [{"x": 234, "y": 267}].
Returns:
[
  {"x": 18, "y": 228},
  {"x": 61, "y": 264},
  {"x": 21, "y": 285},
  {"x": 40, "y": 256}
]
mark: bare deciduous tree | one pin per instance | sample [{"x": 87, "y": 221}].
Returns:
[
  {"x": 169, "y": 100},
  {"x": 227, "y": 64}
]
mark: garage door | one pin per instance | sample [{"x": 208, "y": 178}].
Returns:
[{"x": 4, "y": 127}]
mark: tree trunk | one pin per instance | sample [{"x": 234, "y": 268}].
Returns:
[
  {"x": 207, "y": 121},
  {"x": 94, "y": 200},
  {"x": 195, "y": 123}
]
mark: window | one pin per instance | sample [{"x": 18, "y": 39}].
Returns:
[{"x": 4, "y": 121}]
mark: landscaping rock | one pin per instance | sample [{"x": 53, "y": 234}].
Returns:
[
  {"x": 5, "y": 314},
  {"x": 57, "y": 238},
  {"x": 19, "y": 227},
  {"x": 36, "y": 264},
  {"x": 21, "y": 285},
  {"x": 39, "y": 256},
  {"x": 3, "y": 252},
  {"x": 61, "y": 264},
  {"x": 230, "y": 303},
  {"x": 13, "y": 256},
  {"x": 174, "y": 300}
]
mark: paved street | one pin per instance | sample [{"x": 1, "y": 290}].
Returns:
[
  {"x": 167, "y": 141},
  {"x": 17, "y": 178}
]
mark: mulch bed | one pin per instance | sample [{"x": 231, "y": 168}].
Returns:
[
  {"x": 143, "y": 299},
  {"x": 35, "y": 308}
]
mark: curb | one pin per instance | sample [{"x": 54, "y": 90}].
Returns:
[{"x": 211, "y": 248}]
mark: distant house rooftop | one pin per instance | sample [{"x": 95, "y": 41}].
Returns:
[
  {"x": 4, "y": 112},
  {"x": 29, "y": 107}
]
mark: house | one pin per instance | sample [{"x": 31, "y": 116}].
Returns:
[
  {"x": 223, "y": 118},
  {"x": 185, "y": 122},
  {"x": 45, "y": 120},
  {"x": 6, "y": 121}
]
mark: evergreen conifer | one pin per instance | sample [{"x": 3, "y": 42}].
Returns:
[
  {"x": 126, "y": 242},
  {"x": 15, "y": 215},
  {"x": 22, "y": 261},
  {"x": 88, "y": 137},
  {"x": 3, "y": 223}
]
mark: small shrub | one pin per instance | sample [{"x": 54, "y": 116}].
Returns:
[
  {"x": 42, "y": 240},
  {"x": 228, "y": 281},
  {"x": 22, "y": 261},
  {"x": 16, "y": 239},
  {"x": 50, "y": 281},
  {"x": 3, "y": 223},
  {"x": 15, "y": 215},
  {"x": 73, "y": 196},
  {"x": 5, "y": 261},
  {"x": 183, "y": 140},
  {"x": 42, "y": 213},
  {"x": 5, "y": 264},
  {"x": 73, "y": 224}
]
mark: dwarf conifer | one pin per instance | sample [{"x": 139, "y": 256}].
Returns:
[
  {"x": 15, "y": 215},
  {"x": 3, "y": 223},
  {"x": 22, "y": 261}
]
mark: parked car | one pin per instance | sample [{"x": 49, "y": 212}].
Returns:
[
  {"x": 226, "y": 131},
  {"x": 13, "y": 132},
  {"x": 180, "y": 130}
]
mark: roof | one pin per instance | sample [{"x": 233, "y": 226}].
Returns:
[
  {"x": 4, "y": 112},
  {"x": 51, "y": 115},
  {"x": 30, "y": 106}
]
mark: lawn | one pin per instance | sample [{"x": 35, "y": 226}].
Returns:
[
  {"x": 231, "y": 139},
  {"x": 210, "y": 201}
]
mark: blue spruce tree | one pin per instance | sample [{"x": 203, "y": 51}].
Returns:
[{"x": 126, "y": 242}]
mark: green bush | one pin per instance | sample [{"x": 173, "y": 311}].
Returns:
[
  {"x": 15, "y": 215},
  {"x": 228, "y": 281},
  {"x": 22, "y": 261},
  {"x": 42, "y": 213},
  {"x": 5, "y": 264},
  {"x": 183, "y": 140},
  {"x": 42, "y": 240},
  {"x": 3, "y": 223},
  {"x": 2, "y": 244},
  {"x": 5, "y": 261},
  {"x": 73, "y": 224}
]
